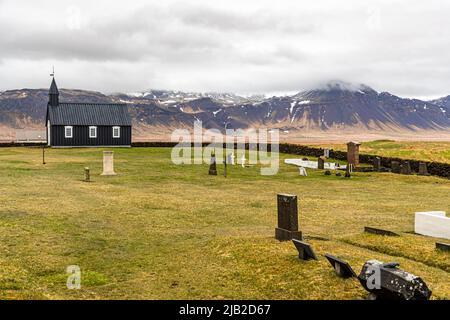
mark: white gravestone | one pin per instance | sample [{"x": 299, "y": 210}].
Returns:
[
  {"x": 432, "y": 224},
  {"x": 108, "y": 163},
  {"x": 302, "y": 172},
  {"x": 230, "y": 158},
  {"x": 326, "y": 153},
  {"x": 243, "y": 159}
]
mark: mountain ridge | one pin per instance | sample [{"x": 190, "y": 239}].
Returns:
[{"x": 335, "y": 106}]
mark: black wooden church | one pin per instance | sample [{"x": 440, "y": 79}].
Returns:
[{"x": 86, "y": 124}]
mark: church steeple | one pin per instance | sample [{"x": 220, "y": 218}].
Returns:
[{"x": 53, "y": 94}]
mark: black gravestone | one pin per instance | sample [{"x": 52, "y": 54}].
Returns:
[
  {"x": 342, "y": 268},
  {"x": 212, "y": 166},
  {"x": 380, "y": 232},
  {"x": 305, "y": 251},
  {"x": 321, "y": 163},
  {"x": 423, "y": 170},
  {"x": 443, "y": 246},
  {"x": 405, "y": 168},
  {"x": 385, "y": 281},
  {"x": 287, "y": 218}
]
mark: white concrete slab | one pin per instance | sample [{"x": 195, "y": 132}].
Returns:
[
  {"x": 313, "y": 164},
  {"x": 433, "y": 224}
]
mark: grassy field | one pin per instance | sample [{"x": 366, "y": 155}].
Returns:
[
  {"x": 428, "y": 151},
  {"x": 161, "y": 231}
]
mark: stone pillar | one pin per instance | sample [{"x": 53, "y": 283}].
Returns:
[
  {"x": 423, "y": 170},
  {"x": 395, "y": 167},
  {"x": 377, "y": 164},
  {"x": 108, "y": 163},
  {"x": 405, "y": 168},
  {"x": 287, "y": 218},
  {"x": 212, "y": 166},
  {"x": 321, "y": 163},
  {"x": 353, "y": 153},
  {"x": 87, "y": 175}
]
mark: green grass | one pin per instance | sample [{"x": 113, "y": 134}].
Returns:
[
  {"x": 161, "y": 231},
  {"x": 427, "y": 151}
]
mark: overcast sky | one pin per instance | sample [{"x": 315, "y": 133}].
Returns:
[{"x": 278, "y": 46}]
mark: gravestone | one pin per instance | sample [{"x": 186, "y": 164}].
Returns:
[
  {"x": 212, "y": 166},
  {"x": 433, "y": 224},
  {"x": 423, "y": 170},
  {"x": 225, "y": 168},
  {"x": 443, "y": 246},
  {"x": 305, "y": 251},
  {"x": 353, "y": 153},
  {"x": 321, "y": 163},
  {"x": 302, "y": 171},
  {"x": 326, "y": 153},
  {"x": 243, "y": 160},
  {"x": 405, "y": 168},
  {"x": 377, "y": 163},
  {"x": 230, "y": 158},
  {"x": 385, "y": 281},
  {"x": 348, "y": 170},
  {"x": 108, "y": 163},
  {"x": 287, "y": 218},
  {"x": 395, "y": 166},
  {"x": 87, "y": 175},
  {"x": 380, "y": 232},
  {"x": 342, "y": 268},
  {"x": 338, "y": 174},
  {"x": 328, "y": 173}
]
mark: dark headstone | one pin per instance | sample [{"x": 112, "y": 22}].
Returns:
[
  {"x": 212, "y": 166},
  {"x": 442, "y": 246},
  {"x": 305, "y": 159},
  {"x": 348, "y": 170},
  {"x": 353, "y": 153},
  {"x": 405, "y": 168},
  {"x": 338, "y": 174},
  {"x": 423, "y": 170},
  {"x": 380, "y": 232},
  {"x": 225, "y": 168},
  {"x": 305, "y": 251},
  {"x": 385, "y": 281},
  {"x": 287, "y": 218},
  {"x": 377, "y": 164},
  {"x": 321, "y": 163},
  {"x": 395, "y": 167},
  {"x": 342, "y": 268},
  {"x": 328, "y": 173},
  {"x": 87, "y": 175}
]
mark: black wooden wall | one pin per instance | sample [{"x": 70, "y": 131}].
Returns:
[{"x": 81, "y": 137}]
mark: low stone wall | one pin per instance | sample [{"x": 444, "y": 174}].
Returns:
[{"x": 434, "y": 168}]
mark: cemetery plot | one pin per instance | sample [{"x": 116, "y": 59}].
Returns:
[{"x": 161, "y": 231}]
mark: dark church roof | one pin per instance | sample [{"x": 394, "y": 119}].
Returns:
[
  {"x": 89, "y": 114},
  {"x": 53, "y": 88}
]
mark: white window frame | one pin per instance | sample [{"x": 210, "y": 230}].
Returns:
[
  {"x": 92, "y": 136},
  {"x": 68, "y": 136},
  {"x": 118, "y": 131}
]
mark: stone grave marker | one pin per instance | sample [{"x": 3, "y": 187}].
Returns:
[
  {"x": 243, "y": 161},
  {"x": 321, "y": 163},
  {"x": 230, "y": 158},
  {"x": 353, "y": 153},
  {"x": 327, "y": 173},
  {"x": 212, "y": 166},
  {"x": 87, "y": 175},
  {"x": 326, "y": 153},
  {"x": 394, "y": 283},
  {"x": 287, "y": 218},
  {"x": 342, "y": 268},
  {"x": 423, "y": 170},
  {"x": 305, "y": 251},
  {"x": 108, "y": 163},
  {"x": 225, "y": 168},
  {"x": 433, "y": 224},
  {"x": 395, "y": 166},
  {"x": 380, "y": 232},
  {"x": 443, "y": 246}
]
